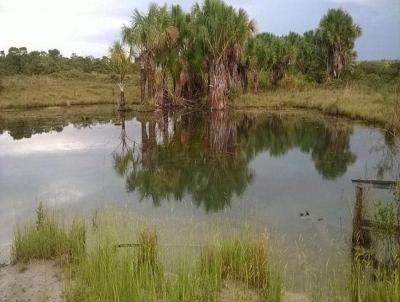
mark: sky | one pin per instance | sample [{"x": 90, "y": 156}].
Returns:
[{"x": 88, "y": 27}]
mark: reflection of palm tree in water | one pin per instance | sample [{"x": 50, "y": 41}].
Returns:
[
  {"x": 207, "y": 156},
  {"x": 328, "y": 144},
  {"x": 222, "y": 134},
  {"x": 332, "y": 154},
  {"x": 124, "y": 152},
  {"x": 191, "y": 158}
]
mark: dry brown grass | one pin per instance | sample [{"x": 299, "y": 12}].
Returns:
[
  {"x": 25, "y": 92},
  {"x": 395, "y": 116},
  {"x": 352, "y": 102}
]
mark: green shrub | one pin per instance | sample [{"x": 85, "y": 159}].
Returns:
[{"x": 47, "y": 239}]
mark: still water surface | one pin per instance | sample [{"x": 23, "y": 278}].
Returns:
[{"x": 266, "y": 168}]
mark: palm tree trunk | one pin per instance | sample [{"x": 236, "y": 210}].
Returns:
[
  {"x": 218, "y": 85},
  {"x": 142, "y": 85},
  {"x": 121, "y": 105},
  {"x": 143, "y": 77},
  {"x": 255, "y": 82},
  {"x": 149, "y": 84},
  {"x": 151, "y": 72},
  {"x": 336, "y": 64},
  {"x": 243, "y": 77}
]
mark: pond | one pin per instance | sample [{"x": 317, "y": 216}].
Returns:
[{"x": 286, "y": 171}]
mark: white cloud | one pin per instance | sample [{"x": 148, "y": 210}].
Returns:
[
  {"x": 88, "y": 27},
  {"x": 58, "y": 24}
]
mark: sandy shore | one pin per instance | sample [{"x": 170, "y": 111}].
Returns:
[{"x": 35, "y": 281}]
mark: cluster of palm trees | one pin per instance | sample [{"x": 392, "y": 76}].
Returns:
[{"x": 213, "y": 50}]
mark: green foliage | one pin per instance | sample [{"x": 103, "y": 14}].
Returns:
[
  {"x": 385, "y": 216},
  {"x": 119, "y": 61},
  {"x": 181, "y": 48},
  {"x": 20, "y": 61},
  {"x": 220, "y": 28},
  {"x": 277, "y": 57},
  {"x": 377, "y": 74},
  {"x": 308, "y": 57},
  {"x": 336, "y": 36},
  {"x": 47, "y": 239},
  {"x": 214, "y": 42}
]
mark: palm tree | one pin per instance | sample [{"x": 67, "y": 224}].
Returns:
[
  {"x": 336, "y": 36},
  {"x": 151, "y": 38},
  {"x": 271, "y": 54},
  {"x": 186, "y": 63},
  {"x": 221, "y": 32},
  {"x": 120, "y": 64},
  {"x": 141, "y": 36},
  {"x": 256, "y": 58},
  {"x": 280, "y": 54},
  {"x": 191, "y": 67}
]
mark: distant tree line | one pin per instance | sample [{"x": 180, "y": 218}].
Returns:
[{"x": 20, "y": 61}]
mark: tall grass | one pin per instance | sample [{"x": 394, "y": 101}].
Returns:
[
  {"x": 361, "y": 285},
  {"x": 47, "y": 238},
  {"x": 369, "y": 284},
  {"x": 137, "y": 273}
]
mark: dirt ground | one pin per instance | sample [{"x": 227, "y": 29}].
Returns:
[
  {"x": 37, "y": 281},
  {"x": 40, "y": 281}
]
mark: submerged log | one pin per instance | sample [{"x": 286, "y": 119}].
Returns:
[{"x": 382, "y": 184}]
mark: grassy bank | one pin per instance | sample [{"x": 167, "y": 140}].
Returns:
[
  {"x": 353, "y": 102},
  {"x": 239, "y": 268}
]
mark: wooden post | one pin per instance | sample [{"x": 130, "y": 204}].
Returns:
[{"x": 361, "y": 236}]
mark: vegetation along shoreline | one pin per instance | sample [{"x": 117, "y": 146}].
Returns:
[{"x": 211, "y": 57}]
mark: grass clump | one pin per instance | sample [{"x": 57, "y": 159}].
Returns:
[
  {"x": 243, "y": 262},
  {"x": 147, "y": 254},
  {"x": 46, "y": 238},
  {"x": 109, "y": 275},
  {"x": 121, "y": 274}
]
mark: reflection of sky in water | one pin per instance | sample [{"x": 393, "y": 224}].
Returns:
[{"x": 73, "y": 170}]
